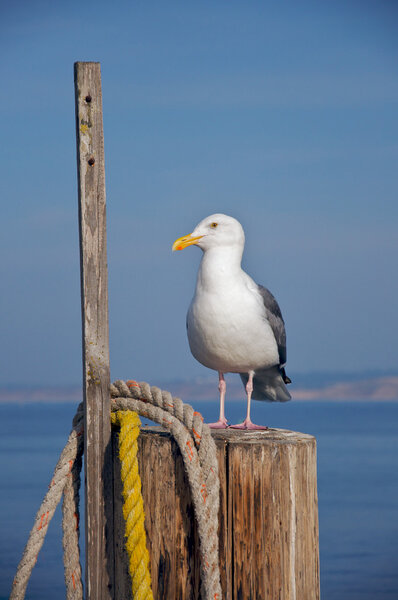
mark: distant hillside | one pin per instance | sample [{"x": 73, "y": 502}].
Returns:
[
  {"x": 377, "y": 388},
  {"x": 23, "y": 394},
  {"x": 317, "y": 386},
  {"x": 365, "y": 388}
]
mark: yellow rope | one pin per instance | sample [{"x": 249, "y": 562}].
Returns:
[{"x": 133, "y": 507}]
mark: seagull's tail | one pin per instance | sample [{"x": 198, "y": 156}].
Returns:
[{"x": 268, "y": 385}]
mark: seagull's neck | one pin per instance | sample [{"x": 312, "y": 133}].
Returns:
[{"x": 219, "y": 265}]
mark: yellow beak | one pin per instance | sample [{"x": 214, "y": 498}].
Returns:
[{"x": 186, "y": 240}]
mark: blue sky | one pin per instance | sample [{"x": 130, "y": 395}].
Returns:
[{"x": 280, "y": 114}]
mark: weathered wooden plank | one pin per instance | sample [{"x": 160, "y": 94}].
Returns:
[
  {"x": 158, "y": 489},
  {"x": 94, "y": 293},
  {"x": 186, "y": 536},
  {"x": 268, "y": 516},
  {"x": 224, "y": 527},
  {"x": 122, "y": 577}
]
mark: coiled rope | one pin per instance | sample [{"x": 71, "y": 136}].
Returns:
[{"x": 199, "y": 456}]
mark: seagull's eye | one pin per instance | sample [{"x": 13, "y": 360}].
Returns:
[{"x": 213, "y": 225}]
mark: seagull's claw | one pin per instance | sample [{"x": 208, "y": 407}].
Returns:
[
  {"x": 220, "y": 424},
  {"x": 247, "y": 425}
]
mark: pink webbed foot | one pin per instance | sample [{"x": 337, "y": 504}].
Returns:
[
  {"x": 220, "y": 424},
  {"x": 247, "y": 425}
]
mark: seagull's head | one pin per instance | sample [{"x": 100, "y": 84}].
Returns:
[{"x": 214, "y": 231}]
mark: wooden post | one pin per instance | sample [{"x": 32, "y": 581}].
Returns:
[
  {"x": 94, "y": 293},
  {"x": 268, "y": 517}
]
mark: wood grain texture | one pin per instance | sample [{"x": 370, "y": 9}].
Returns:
[
  {"x": 268, "y": 521},
  {"x": 94, "y": 293}
]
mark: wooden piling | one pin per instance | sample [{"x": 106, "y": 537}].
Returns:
[
  {"x": 268, "y": 520},
  {"x": 94, "y": 294}
]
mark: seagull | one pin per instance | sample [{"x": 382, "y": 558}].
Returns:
[{"x": 233, "y": 324}]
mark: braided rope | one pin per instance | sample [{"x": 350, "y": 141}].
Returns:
[
  {"x": 70, "y": 527},
  {"x": 133, "y": 506},
  {"x": 199, "y": 456},
  {"x": 62, "y": 472}
]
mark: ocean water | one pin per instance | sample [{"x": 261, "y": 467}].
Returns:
[{"x": 357, "y": 488}]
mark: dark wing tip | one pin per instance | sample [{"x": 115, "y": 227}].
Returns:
[{"x": 285, "y": 378}]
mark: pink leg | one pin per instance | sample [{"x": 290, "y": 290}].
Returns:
[
  {"x": 247, "y": 423},
  {"x": 222, "y": 388}
]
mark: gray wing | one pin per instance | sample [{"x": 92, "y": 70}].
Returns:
[{"x": 276, "y": 321}]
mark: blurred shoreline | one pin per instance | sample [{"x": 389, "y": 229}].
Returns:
[{"x": 356, "y": 388}]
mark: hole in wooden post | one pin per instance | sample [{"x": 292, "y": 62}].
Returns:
[
  {"x": 91, "y": 161},
  {"x": 88, "y": 99}
]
